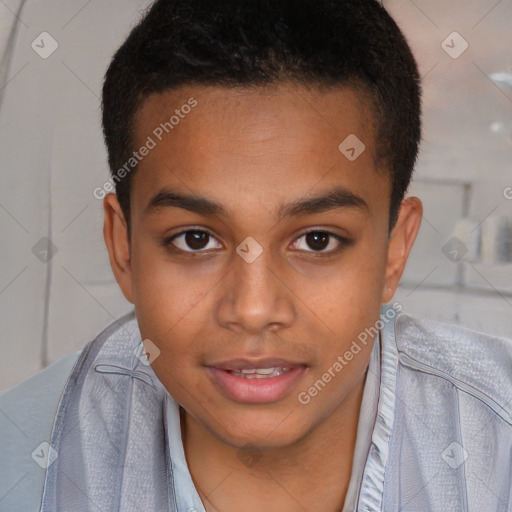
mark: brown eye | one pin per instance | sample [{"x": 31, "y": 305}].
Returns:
[
  {"x": 320, "y": 242},
  {"x": 197, "y": 239},
  {"x": 194, "y": 240},
  {"x": 317, "y": 240}
]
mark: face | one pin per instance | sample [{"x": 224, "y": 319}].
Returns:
[{"x": 259, "y": 252}]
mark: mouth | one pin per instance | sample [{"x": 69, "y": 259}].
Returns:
[
  {"x": 260, "y": 373},
  {"x": 261, "y": 381}
]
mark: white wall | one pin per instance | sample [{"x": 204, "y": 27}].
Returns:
[
  {"x": 464, "y": 175},
  {"x": 52, "y": 157}
]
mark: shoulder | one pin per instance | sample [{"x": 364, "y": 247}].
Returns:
[
  {"x": 474, "y": 362},
  {"x": 27, "y": 413},
  {"x": 31, "y": 401}
]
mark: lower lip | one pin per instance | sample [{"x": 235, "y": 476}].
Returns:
[{"x": 256, "y": 391}]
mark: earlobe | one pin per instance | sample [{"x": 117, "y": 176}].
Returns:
[
  {"x": 401, "y": 241},
  {"x": 115, "y": 234}
]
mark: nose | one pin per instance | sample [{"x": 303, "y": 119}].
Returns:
[{"x": 255, "y": 297}]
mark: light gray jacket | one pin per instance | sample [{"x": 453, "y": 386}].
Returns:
[{"x": 97, "y": 430}]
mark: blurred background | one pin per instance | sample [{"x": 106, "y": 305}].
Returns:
[{"x": 57, "y": 291}]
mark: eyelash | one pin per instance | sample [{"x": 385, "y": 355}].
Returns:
[{"x": 343, "y": 242}]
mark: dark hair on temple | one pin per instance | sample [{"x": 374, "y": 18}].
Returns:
[{"x": 252, "y": 43}]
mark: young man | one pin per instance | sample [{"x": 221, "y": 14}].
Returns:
[{"x": 261, "y": 151}]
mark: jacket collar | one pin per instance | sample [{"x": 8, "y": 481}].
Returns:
[{"x": 112, "y": 395}]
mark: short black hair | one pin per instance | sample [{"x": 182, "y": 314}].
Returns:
[{"x": 262, "y": 42}]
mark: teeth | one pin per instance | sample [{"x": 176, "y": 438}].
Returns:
[
  {"x": 259, "y": 373},
  {"x": 265, "y": 371}
]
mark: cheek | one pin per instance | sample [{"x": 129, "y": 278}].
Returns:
[
  {"x": 173, "y": 305},
  {"x": 165, "y": 293},
  {"x": 365, "y": 276},
  {"x": 346, "y": 306},
  {"x": 351, "y": 290}
]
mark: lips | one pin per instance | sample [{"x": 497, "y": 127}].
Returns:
[{"x": 256, "y": 381}]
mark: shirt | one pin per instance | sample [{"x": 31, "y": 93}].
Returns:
[
  {"x": 97, "y": 431},
  {"x": 187, "y": 498}
]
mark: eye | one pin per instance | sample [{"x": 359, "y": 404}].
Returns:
[
  {"x": 319, "y": 241},
  {"x": 193, "y": 240}
]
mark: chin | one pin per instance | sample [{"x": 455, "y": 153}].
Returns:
[{"x": 263, "y": 431}]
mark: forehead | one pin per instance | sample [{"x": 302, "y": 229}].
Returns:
[{"x": 263, "y": 143}]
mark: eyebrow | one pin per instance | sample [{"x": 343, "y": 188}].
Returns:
[
  {"x": 339, "y": 197},
  {"x": 172, "y": 199}
]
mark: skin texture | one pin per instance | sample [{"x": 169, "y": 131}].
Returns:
[{"x": 254, "y": 152}]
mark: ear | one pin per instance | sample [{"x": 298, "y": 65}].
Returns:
[
  {"x": 115, "y": 234},
  {"x": 401, "y": 241}
]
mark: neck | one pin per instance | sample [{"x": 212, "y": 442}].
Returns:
[{"x": 310, "y": 474}]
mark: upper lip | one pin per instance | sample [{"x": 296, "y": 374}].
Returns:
[{"x": 244, "y": 364}]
